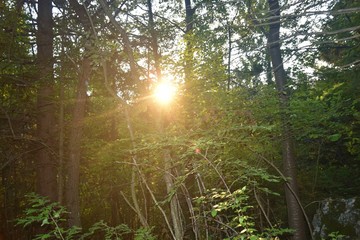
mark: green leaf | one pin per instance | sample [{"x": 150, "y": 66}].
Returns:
[
  {"x": 45, "y": 222},
  {"x": 334, "y": 137},
  {"x": 56, "y": 214},
  {"x": 213, "y": 213}
]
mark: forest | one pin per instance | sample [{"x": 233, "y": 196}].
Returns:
[{"x": 179, "y": 119}]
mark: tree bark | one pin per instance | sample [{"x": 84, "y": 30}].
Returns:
[
  {"x": 175, "y": 210},
  {"x": 296, "y": 218},
  {"x": 189, "y": 51},
  {"x": 46, "y": 168},
  {"x": 154, "y": 40},
  {"x": 73, "y": 165},
  {"x": 74, "y": 153},
  {"x": 189, "y": 16},
  {"x": 61, "y": 177},
  {"x": 229, "y": 57}
]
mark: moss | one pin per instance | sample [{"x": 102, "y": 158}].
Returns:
[{"x": 341, "y": 216}]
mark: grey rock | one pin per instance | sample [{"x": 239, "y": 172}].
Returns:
[{"x": 337, "y": 217}]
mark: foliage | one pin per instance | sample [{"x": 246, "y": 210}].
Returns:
[
  {"x": 324, "y": 112},
  {"x": 144, "y": 234},
  {"x": 50, "y": 219},
  {"x": 218, "y": 131},
  {"x": 336, "y": 236},
  {"x": 50, "y": 216},
  {"x": 230, "y": 215}
]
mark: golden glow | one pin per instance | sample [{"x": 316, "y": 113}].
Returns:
[{"x": 164, "y": 92}]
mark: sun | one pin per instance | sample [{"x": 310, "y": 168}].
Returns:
[{"x": 164, "y": 92}]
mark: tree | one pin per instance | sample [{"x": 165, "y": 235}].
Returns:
[
  {"x": 73, "y": 164},
  {"x": 296, "y": 217},
  {"x": 46, "y": 161}
]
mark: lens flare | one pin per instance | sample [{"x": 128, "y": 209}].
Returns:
[{"x": 164, "y": 92}]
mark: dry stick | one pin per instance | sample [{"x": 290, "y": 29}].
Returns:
[
  {"x": 135, "y": 167},
  {"x": 189, "y": 203},
  {"x": 145, "y": 201},
  {"x": 288, "y": 186},
  {"x": 9, "y": 121},
  {"x": 217, "y": 171},
  {"x": 262, "y": 208},
  {"x": 73, "y": 62},
  {"x": 224, "y": 224},
  {"x": 128, "y": 202},
  {"x": 13, "y": 159},
  {"x": 350, "y": 29},
  {"x": 201, "y": 187},
  {"x": 354, "y": 63},
  {"x": 134, "y": 197},
  {"x": 158, "y": 169},
  {"x": 309, "y": 13},
  {"x": 57, "y": 227},
  {"x": 157, "y": 204},
  {"x": 221, "y": 177},
  {"x": 191, "y": 209}
]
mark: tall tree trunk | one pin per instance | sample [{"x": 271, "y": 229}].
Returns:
[
  {"x": 192, "y": 87},
  {"x": 73, "y": 165},
  {"x": 61, "y": 178},
  {"x": 189, "y": 51},
  {"x": 46, "y": 165},
  {"x": 154, "y": 40},
  {"x": 229, "y": 57},
  {"x": 74, "y": 153},
  {"x": 296, "y": 218}
]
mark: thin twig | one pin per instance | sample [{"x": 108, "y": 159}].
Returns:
[
  {"x": 217, "y": 171},
  {"x": 262, "y": 208},
  {"x": 127, "y": 201},
  {"x": 9, "y": 121},
  {"x": 288, "y": 186}
]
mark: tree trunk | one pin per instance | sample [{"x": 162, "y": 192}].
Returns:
[
  {"x": 46, "y": 165},
  {"x": 189, "y": 51},
  {"x": 154, "y": 40},
  {"x": 175, "y": 210},
  {"x": 296, "y": 218},
  {"x": 61, "y": 177},
  {"x": 73, "y": 165},
  {"x": 229, "y": 57}
]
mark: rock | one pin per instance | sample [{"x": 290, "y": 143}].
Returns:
[{"x": 337, "y": 219}]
